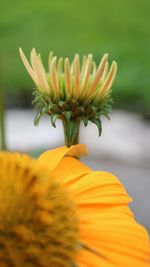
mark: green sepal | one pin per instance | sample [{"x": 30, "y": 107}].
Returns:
[
  {"x": 35, "y": 92},
  {"x": 54, "y": 117},
  {"x": 56, "y": 109},
  {"x": 73, "y": 103},
  {"x": 67, "y": 115},
  {"x": 91, "y": 111},
  {"x": 51, "y": 106},
  {"x": 44, "y": 110},
  {"x": 97, "y": 121},
  {"x": 85, "y": 120},
  {"x": 78, "y": 111},
  {"x": 63, "y": 105},
  {"x": 105, "y": 114},
  {"x": 36, "y": 99},
  {"x": 71, "y": 111},
  {"x": 37, "y": 118}
]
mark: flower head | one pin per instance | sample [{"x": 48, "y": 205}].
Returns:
[
  {"x": 72, "y": 91},
  {"x": 55, "y": 215}
]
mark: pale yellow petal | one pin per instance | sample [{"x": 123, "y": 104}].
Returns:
[
  {"x": 54, "y": 78},
  {"x": 50, "y": 57},
  {"x": 94, "y": 68},
  {"x": 68, "y": 78},
  {"x": 84, "y": 60},
  {"x": 39, "y": 70},
  {"x": 86, "y": 74},
  {"x": 76, "y": 75},
  {"x": 59, "y": 65},
  {"x": 28, "y": 67},
  {"x": 109, "y": 80},
  {"x": 105, "y": 71},
  {"x": 98, "y": 76}
]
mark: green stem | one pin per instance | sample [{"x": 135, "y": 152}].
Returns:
[
  {"x": 71, "y": 132},
  {"x": 2, "y": 115}
]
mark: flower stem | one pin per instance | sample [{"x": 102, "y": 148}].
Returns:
[{"x": 71, "y": 132}]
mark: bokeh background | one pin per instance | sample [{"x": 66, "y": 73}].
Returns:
[{"x": 120, "y": 28}]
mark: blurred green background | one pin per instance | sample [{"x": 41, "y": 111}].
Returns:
[{"x": 120, "y": 28}]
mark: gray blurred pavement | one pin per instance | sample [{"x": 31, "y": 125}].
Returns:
[{"x": 123, "y": 149}]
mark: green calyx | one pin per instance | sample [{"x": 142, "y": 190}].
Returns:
[{"x": 72, "y": 112}]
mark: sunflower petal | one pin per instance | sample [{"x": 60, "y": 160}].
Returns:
[
  {"x": 106, "y": 224},
  {"x": 99, "y": 188},
  {"x": 53, "y": 157},
  {"x": 75, "y": 171},
  {"x": 116, "y": 236}
]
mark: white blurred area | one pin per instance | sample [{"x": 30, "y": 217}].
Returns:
[{"x": 123, "y": 149}]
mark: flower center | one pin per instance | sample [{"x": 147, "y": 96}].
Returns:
[{"x": 38, "y": 223}]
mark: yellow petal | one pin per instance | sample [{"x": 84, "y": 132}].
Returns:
[
  {"x": 39, "y": 70},
  {"x": 105, "y": 72},
  {"x": 86, "y": 74},
  {"x": 118, "y": 238},
  {"x": 98, "y": 76},
  {"x": 53, "y": 157},
  {"x": 83, "y": 64},
  {"x": 67, "y": 78},
  {"x": 106, "y": 224},
  {"x": 94, "y": 68},
  {"x": 50, "y": 57},
  {"x": 86, "y": 258},
  {"x": 109, "y": 80},
  {"x": 99, "y": 188},
  {"x": 76, "y": 75},
  {"x": 28, "y": 67},
  {"x": 54, "y": 78},
  {"x": 59, "y": 66},
  {"x": 70, "y": 175}
]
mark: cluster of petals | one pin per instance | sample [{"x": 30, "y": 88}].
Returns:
[{"x": 82, "y": 80}]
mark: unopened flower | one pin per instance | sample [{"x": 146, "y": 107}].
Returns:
[
  {"x": 57, "y": 212},
  {"x": 72, "y": 91},
  {"x": 66, "y": 80}
]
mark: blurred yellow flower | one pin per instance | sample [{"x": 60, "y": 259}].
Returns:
[{"x": 55, "y": 211}]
